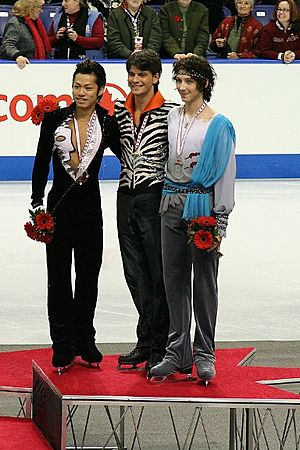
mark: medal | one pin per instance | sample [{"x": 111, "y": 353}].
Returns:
[{"x": 177, "y": 170}]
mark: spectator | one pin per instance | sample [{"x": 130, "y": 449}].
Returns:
[
  {"x": 132, "y": 26},
  {"x": 184, "y": 25},
  {"x": 25, "y": 37},
  {"x": 280, "y": 39},
  {"x": 237, "y": 36},
  {"x": 76, "y": 31}
]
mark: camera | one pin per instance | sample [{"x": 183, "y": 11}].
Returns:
[{"x": 66, "y": 33}]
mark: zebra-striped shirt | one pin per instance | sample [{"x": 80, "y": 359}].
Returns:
[{"x": 144, "y": 170}]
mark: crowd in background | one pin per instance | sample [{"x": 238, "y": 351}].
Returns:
[{"x": 97, "y": 30}]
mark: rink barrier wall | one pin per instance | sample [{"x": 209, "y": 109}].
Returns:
[
  {"x": 19, "y": 168},
  {"x": 260, "y": 97}
]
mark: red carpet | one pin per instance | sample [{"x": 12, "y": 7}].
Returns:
[
  {"x": 17, "y": 433},
  {"x": 232, "y": 381}
]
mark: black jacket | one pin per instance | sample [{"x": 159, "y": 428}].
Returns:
[{"x": 88, "y": 192}]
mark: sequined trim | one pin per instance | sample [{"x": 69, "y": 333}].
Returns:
[
  {"x": 222, "y": 222},
  {"x": 64, "y": 147},
  {"x": 189, "y": 190}
]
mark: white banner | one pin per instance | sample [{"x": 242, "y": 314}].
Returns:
[{"x": 261, "y": 99}]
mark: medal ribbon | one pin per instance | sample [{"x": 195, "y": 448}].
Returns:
[{"x": 138, "y": 137}]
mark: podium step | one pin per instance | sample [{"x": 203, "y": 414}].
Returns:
[{"x": 18, "y": 433}]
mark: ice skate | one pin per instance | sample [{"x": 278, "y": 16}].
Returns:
[
  {"x": 206, "y": 371},
  {"x": 154, "y": 360},
  {"x": 129, "y": 361},
  {"x": 164, "y": 370},
  {"x": 62, "y": 360},
  {"x": 89, "y": 354}
]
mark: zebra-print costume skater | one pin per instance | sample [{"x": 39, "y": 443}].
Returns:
[{"x": 138, "y": 201}]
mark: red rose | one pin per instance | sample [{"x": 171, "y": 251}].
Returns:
[
  {"x": 46, "y": 238},
  {"x": 30, "y": 230},
  {"x": 203, "y": 239},
  {"x": 178, "y": 19}
]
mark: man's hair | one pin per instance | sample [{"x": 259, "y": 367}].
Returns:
[
  {"x": 146, "y": 60},
  {"x": 88, "y": 67},
  {"x": 199, "y": 70}
]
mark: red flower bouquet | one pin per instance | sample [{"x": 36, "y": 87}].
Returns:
[
  {"x": 178, "y": 19},
  {"x": 46, "y": 104},
  {"x": 203, "y": 232},
  {"x": 41, "y": 226}
]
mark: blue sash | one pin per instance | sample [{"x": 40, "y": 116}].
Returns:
[{"x": 211, "y": 165}]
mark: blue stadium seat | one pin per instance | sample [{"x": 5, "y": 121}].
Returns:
[
  {"x": 263, "y": 13},
  {"x": 47, "y": 14},
  {"x": 4, "y": 17},
  {"x": 226, "y": 12}
]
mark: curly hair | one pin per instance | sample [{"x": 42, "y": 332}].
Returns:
[
  {"x": 199, "y": 70},
  {"x": 23, "y": 8}
]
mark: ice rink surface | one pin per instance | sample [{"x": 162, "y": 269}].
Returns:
[{"x": 259, "y": 278}]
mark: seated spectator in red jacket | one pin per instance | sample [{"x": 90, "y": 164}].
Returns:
[
  {"x": 237, "y": 36},
  {"x": 280, "y": 39},
  {"x": 76, "y": 31},
  {"x": 184, "y": 25}
]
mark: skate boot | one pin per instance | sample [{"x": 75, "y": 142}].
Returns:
[
  {"x": 89, "y": 354},
  {"x": 137, "y": 356},
  {"x": 62, "y": 359},
  {"x": 206, "y": 370},
  {"x": 154, "y": 360},
  {"x": 162, "y": 371}
]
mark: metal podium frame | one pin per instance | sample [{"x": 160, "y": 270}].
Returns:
[
  {"x": 24, "y": 399},
  {"x": 246, "y": 421}
]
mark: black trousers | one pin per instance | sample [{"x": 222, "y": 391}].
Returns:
[
  {"x": 79, "y": 236},
  {"x": 140, "y": 244}
]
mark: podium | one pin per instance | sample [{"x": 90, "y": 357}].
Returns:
[{"x": 121, "y": 408}]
